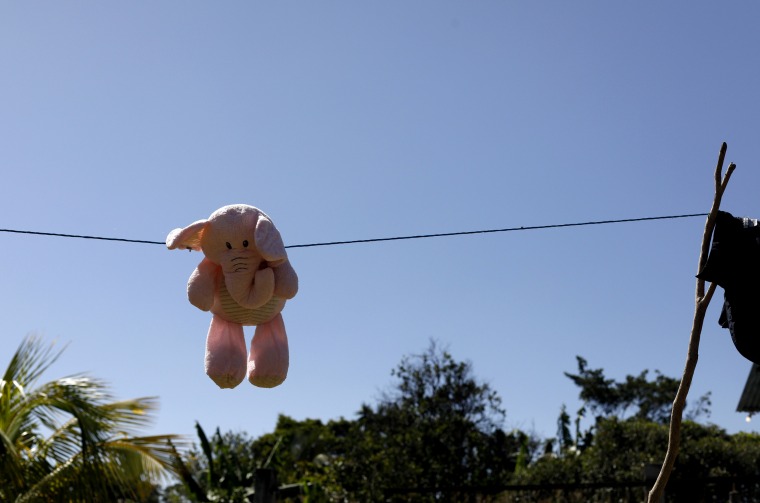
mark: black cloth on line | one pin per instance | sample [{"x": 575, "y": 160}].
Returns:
[{"x": 734, "y": 265}]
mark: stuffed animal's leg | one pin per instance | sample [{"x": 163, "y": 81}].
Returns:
[
  {"x": 225, "y": 353},
  {"x": 269, "y": 358}
]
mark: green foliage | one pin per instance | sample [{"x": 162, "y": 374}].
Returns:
[
  {"x": 652, "y": 399},
  {"x": 564, "y": 436},
  {"x": 222, "y": 470},
  {"x": 707, "y": 451},
  {"x": 437, "y": 435},
  {"x": 68, "y": 439},
  {"x": 307, "y": 452},
  {"x": 438, "y": 432},
  {"x": 622, "y": 448}
]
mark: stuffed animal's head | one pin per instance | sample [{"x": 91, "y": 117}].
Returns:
[{"x": 239, "y": 238}]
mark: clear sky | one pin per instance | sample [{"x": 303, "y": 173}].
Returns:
[{"x": 350, "y": 120}]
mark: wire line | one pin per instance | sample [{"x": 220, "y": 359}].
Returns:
[
  {"x": 488, "y": 231},
  {"x": 395, "y": 238},
  {"x": 56, "y": 234}
]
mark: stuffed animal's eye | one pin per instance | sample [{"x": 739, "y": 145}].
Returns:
[
  {"x": 245, "y": 244},
  {"x": 229, "y": 246}
]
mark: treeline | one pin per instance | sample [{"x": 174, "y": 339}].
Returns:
[{"x": 437, "y": 435}]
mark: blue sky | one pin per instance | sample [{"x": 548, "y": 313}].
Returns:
[{"x": 352, "y": 120}]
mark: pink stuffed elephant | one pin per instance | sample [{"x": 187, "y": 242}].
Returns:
[{"x": 244, "y": 279}]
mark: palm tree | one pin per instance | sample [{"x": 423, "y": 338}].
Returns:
[{"x": 69, "y": 440}]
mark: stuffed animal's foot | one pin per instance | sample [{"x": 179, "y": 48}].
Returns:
[
  {"x": 269, "y": 358},
  {"x": 225, "y": 353}
]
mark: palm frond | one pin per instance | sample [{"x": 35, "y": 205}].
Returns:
[
  {"x": 80, "y": 478},
  {"x": 41, "y": 486},
  {"x": 11, "y": 467},
  {"x": 61, "y": 444},
  {"x": 151, "y": 456},
  {"x": 135, "y": 413},
  {"x": 91, "y": 450},
  {"x": 181, "y": 468},
  {"x": 30, "y": 360},
  {"x": 79, "y": 397},
  {"x": 27, "y": 363},
  {"x": 206, "y": 447}
]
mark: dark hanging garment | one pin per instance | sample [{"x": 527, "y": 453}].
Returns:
[{"x": 734, "y": 265}]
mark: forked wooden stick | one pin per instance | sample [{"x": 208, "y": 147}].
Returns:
[{"x": 702, "y": 301}]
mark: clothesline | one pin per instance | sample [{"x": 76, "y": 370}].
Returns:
[{"x": 376, "y": 240}]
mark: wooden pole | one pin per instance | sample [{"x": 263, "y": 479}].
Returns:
[
  {"x": 701, "y": 302},
  {"x": 265, "y": 486}
]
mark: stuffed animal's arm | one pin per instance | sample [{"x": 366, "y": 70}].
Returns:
[
  {"x": 285, "y": 280},
  {"x": 201, "y": 286},
  {"x": 262, "y": 290}
]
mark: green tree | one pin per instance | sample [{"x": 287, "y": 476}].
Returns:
[
  {"x": 309, "y": 453},
  {"x": 435, "y": 436},
  {"x": 651, "y": 399},
  {"x": 224, "y": 467},
  {"x": 628, "y": 434},
  {"x": 711, "y": 464},
  {"x": 564, "y": 437},
  {"x": 69, "y": 440},
  {"x": 222, "y": 470}
]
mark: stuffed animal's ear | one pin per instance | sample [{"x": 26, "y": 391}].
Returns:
[
  {"x": 188, "y": 238},
  {"x": 269, "y": 241}
]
